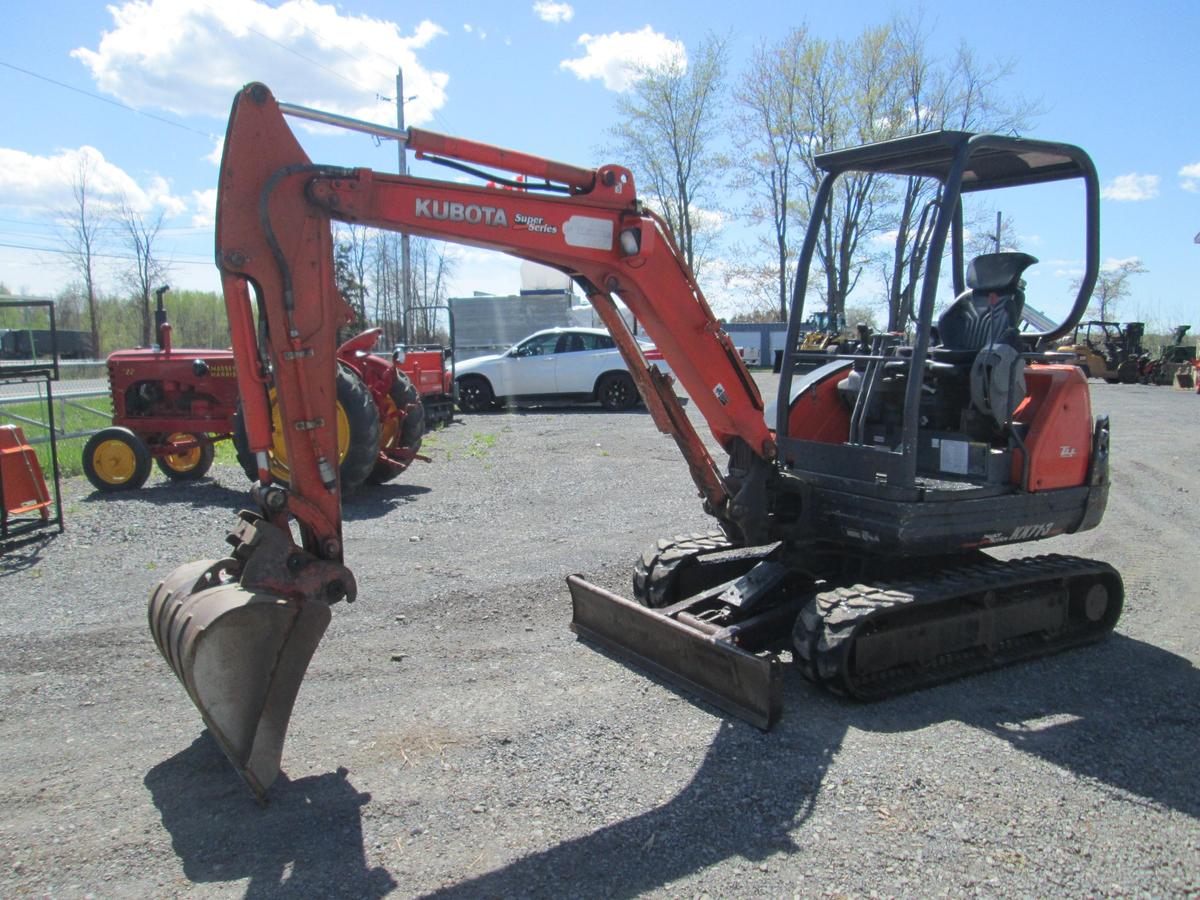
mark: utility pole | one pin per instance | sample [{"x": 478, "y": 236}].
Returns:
[
  {"x": 404, "y": 261},
  {"x": 997, "y": 231}
]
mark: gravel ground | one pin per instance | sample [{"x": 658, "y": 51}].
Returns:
[{"x": 453, "y": 738}]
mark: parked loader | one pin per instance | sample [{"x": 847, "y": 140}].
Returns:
[
  {"x": 1173, "y": 364},
  {"x": 853, "y": 518},
  {"x": 1108, "y": 350}
]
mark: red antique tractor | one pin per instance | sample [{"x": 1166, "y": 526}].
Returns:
[{"x": 171, "y": 406}]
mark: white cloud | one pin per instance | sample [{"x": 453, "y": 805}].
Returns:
[
  {"x": 549, "y": 11},
  {"x": 617, "y": 58},
  {"x": 1190, "y": 178},
  {"x": 217, "y": 151},
  {"x": 205, "y": 205},
  {"x": 45, "y": 182},
  {"x": 1112, "y": 263},
  {"x": 191, "y": 56},
  {"x": 1131, "y": 187}
]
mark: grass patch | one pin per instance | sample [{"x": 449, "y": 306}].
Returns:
[
  {"x": 68, "y": 418},
  {"x": 85, "y": 414},
  {"x": 480, "y": 445}
]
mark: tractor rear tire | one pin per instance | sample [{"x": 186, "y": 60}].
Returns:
[
  {"x": 406, "y": 433},
  {"x": 188, "y": 466},
  {"x": 115, "y": 459},
  {"x": 357, "y": 458}
]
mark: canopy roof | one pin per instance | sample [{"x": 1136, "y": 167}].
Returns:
[{"x": 995, "y": 160}]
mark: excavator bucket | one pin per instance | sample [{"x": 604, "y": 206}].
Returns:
[{"x": 241, "y": 655}]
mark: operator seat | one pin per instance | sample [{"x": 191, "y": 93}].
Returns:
[
  {"x": 981, "y": 330},
  {"x": 990, "y": 310}
]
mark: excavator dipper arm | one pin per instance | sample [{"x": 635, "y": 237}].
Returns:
[{"x": 239, "y": 632}]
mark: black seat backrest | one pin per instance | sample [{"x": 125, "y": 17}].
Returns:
[{"x": 990, "y": 311}]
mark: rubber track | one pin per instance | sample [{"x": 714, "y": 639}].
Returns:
[
  {"x": 655, "y": 573},
  {"x": 825, "y": 631}
]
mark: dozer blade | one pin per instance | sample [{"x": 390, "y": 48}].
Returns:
[
  {"x": 706, "y": 663},
  {"x": 241, "y": 655}
]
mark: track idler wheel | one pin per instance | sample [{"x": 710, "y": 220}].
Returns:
[{"x": 240, "y": 640}]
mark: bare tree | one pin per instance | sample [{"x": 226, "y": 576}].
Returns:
[
  {"x": 1112, "y": 286},
  {"x": 386, "y": 276},
  {"x": 431, "y": 266},
  {"x": 82, "y": 227},
  {"x": 770, "y": 100},
  {"x": 985, "y": 238},
  {"x": 146, "y": 271},
  {"x": 668, "y": 131}
]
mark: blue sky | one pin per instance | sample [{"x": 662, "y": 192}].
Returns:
[{"x": 1119, "y": 79}]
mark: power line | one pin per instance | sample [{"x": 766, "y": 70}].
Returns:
[
  {"x": 309, "y": 60},
  {"x": 174, "y": 229},
  {"x": 346, "y": 53},
  {"x": 183, "y": 262},
  {"x": 70, "y": 87}
]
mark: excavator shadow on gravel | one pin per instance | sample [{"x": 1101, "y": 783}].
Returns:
[{"x": 852, "y": 521}]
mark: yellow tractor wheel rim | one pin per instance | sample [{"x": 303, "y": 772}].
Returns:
[
  {"x": 114, "y": 461},
  {"x": 279, "y": 457},
  {"x": 390, "y": 424},
  {"x": 185, "y": 461}
]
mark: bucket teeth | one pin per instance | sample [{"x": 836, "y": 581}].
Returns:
[{"x": 241, "y": 655}]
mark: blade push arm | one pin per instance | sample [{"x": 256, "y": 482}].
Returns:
[{"x": 274, "y": 212}]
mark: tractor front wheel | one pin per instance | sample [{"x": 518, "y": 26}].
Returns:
[
  {"x": 115, "y": 459},
  {"x": 189, "y": 465}
]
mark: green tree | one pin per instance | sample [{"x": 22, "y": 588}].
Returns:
[
  {"x": 964, "y": 94},
  {"x": 668, "y": 131},
  {"x": 848, "y": 98},
  {"x": 769, "y": 114},
  {"x": 1112, "y": 286}
]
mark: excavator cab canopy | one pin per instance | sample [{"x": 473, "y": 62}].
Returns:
[
  {"x": 963, "y": 162},
  {"x": 957, "y": 162}
]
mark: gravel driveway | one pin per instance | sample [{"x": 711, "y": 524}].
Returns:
[{"x": 453, "y": 738}]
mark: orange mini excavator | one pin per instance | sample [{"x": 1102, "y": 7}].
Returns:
[{"x": 854, "y": 520}]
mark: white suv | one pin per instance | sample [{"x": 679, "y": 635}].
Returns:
[{"x": 558, "y": 363}]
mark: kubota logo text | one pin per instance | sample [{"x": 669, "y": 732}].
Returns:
[{"x": 471, "y": 213}]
